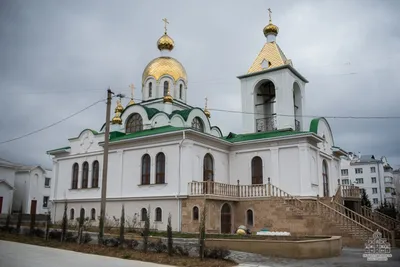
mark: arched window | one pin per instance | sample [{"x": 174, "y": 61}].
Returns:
[
  {"x": 143, "y": 214},
  {"x": 95, "y": 174},
  {"x": 85, "y": 174},
  {"x": 208, "y": 168},
  {"x": 166, "y": 85},
  {"x": 82, "y": 213},
  {"x": 249, "y": 217},
  {"x": 180, "y": 91},
  {"x": 256, "y": 171},
  {"x": 160, "y": 168},
  {"x": 134, "y": 123},
  {"x": 150, "y": 89},
  {"x": 195, "y": 213},
  {"x": 158, "y": 215},
  {"x": 72, "y": 214},
  {"x": 197, "y": 124},
  {"x": 325, "y": 178},
  {"x": 93, "y": 214},
  {"x": 146, "y": 169},
  {"x": 75, "y": 173}
]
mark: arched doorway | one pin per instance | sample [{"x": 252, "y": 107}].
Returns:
[
  {"x": 297, "y": 106},
  {"x": 325, "y": 178},
  {"x": 226, "y": 219}
]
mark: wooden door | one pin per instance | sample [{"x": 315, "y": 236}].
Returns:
[
  {"x": 226, "y": 219},
  {"x": 1, "y": 204},
  {"x": 33, "y": 206}
]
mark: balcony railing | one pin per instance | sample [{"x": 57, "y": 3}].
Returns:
[
  {"x": 210, "y": 188},
  {"x": 266, "y": 124},
  {"x": 350, "y": 191},
  {"x": 297, "y": 125}
]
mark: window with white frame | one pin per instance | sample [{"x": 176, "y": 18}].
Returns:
[
  {"x": 374, "y": 190},
  {"x": 373, "y": 180},
  {"x": 46, "y": 182},
  {"x": 45, "y": 201},
  {"x": 359, "y": 180},
  {"x": 373, "y": 170},
  {"x": 358, "y": 170},
  {"x": 345, "y": 172},
  {"x": 345, "y": 181},
  {"x": 375, "y": 200}
]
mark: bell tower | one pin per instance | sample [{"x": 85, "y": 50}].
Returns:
[{"x": 272, "y": 91}]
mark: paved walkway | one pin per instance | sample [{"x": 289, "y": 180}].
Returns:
[
  {"x": 23, "y": 255},
  {"x": 349, "y": 258}
]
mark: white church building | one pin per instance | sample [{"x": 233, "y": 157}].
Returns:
[{"x": 163, "y": 152}]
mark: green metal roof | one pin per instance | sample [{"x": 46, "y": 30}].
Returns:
[
  {"x": 159, "y": 130},
  {"x": 184, "y": 113},
  {"x": 234, "y": 138},
  {"x": 314, "y": 125},
  {"x": 58, "y": 149}
]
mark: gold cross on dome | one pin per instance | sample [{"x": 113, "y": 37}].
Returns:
[
  {"x": 132, "y": 89},
  {"x": 165, "y": 24},
  {"x": 270, "y": 16}
]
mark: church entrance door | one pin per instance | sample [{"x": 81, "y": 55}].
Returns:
[
  {"x": 33, "y": 206},
  {"x": 226, "y": 219}
]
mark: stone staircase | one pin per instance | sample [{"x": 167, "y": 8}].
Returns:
[{"x": 350, "y": 223}]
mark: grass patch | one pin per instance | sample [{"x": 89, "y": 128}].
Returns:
[{"x": 161, "y": 258}]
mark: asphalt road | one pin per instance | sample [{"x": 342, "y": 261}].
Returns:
[{"x": 21, "y": 255}]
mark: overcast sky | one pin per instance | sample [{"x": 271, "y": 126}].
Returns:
[{"x": 57, "y": 57}]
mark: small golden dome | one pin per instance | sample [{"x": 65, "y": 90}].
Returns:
[
  {"x": 270, "y": 29},
  {"x": 131, "y": 102},
  {"x": 161, "y": 66},
  {"x": 116, "y": 120},
  {"x": 168, "y": 98},
  {"x": 165, "y": 42},
  {"x": 207, "y": 112},
  {"x": 119, "y": 108}
]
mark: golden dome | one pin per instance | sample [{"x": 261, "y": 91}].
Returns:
[
  {"x": 168, "y": 98},
  {"x": 207, "y": 112},
  {"x": 165, "y": 42},
  {"x": 270, "y": 29},
  {"x": 161, "y": 66},
  {"x": 131, "y": 102},
  {"x": 116, "y": 120},
  {"x": 118, "y": 110}
]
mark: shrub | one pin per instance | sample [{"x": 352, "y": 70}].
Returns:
[
  {"x": 54, "y": 234},
  {"x": 122, "y": 226},
  {"x": 216, "y": 253},
  {"x": 160, "y": 247},
  {"x": 169, "y": 234},
  {"x": 146, "y": 231},
  {"x": 39, "y": 232},
  {"x": 134, "y": 243},
  {"x": 181, "y": 251},
  {"x": 111, "y": 242}
]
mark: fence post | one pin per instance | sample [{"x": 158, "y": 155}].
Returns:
[
  {"x": 318, "y": 207},
  {"x": 269, "y": 187},
  {"x": 393, "y": 239},
  {"x": 238, "y": 189}
]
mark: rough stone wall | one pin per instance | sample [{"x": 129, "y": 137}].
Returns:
[{"x": 270, "y": 213}]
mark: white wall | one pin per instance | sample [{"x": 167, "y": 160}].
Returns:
[
  {"x": 132, "y": 207},
  {"x": 7, "y": 195}
]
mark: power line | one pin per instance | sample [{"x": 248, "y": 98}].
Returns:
[
  {"x": 291, "y": 115},
  {"x": 53, "y": 124}
]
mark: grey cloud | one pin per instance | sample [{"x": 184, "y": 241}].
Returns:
[{"x": 57, "y": 57}]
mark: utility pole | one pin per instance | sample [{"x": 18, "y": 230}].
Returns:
[{"x": 105, "y": 168}]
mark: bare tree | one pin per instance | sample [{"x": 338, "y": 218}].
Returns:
[
  {"x": 19, "y": 221},
  {"x": 146, "y": 231}
]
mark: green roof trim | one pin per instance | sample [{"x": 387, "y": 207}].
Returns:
[
  {"x": 151, "y": 112},
  {"x": 314, "y": 125},
  {"x": 234, "y": 138},
  {"x": 160, "y": 130},
  {"x": 58, "y": 149},
  {"x": 184, "y": 113}
]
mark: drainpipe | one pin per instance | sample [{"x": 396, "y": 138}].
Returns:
[{"x": 179, "y": 182}]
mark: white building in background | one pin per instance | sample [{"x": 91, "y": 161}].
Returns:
[
  {"x": 7, "y": 179},
  {"x": 162, "y": 149},
  {"x": 372, "y": 174},
  {"x": 28, "y": 186},
  {"x": 396, "y": 180}
]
